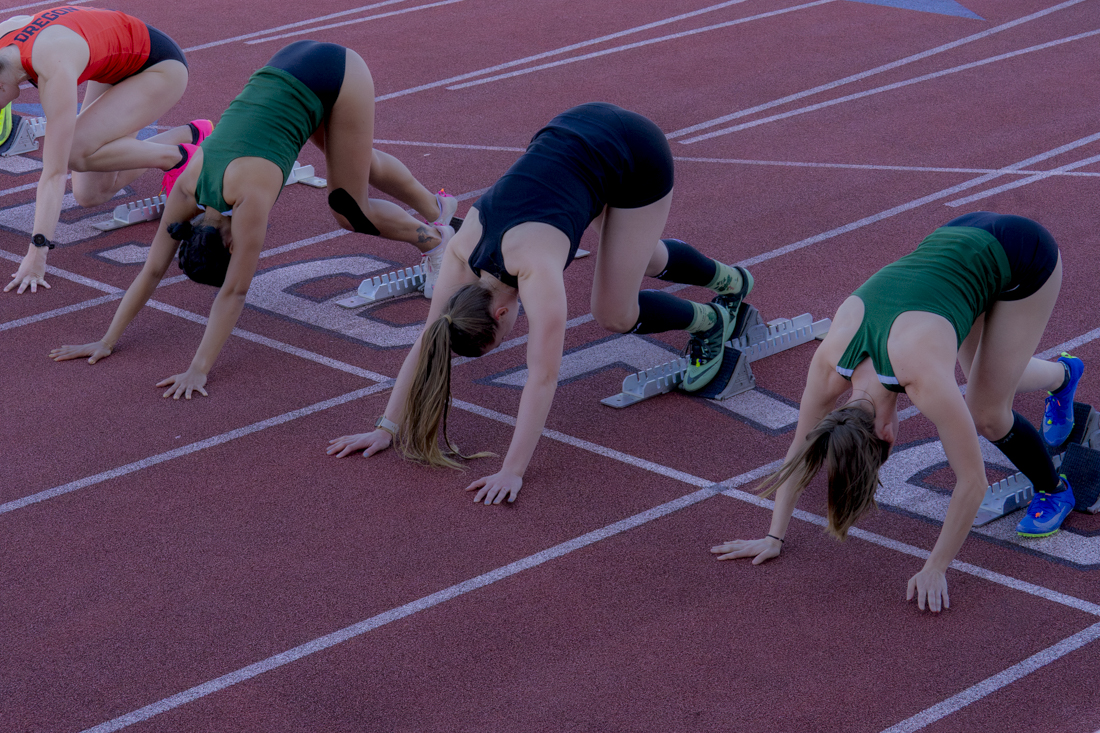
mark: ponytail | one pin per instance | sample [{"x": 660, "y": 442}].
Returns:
[
  {"x": 846, "y": 444},
  {"x": 467, "y": 327}
]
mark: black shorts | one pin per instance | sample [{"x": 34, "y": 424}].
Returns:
[
  {"x": 1032, "y": 251},
  {"x": 161, "y": 48},
  {"x": 320, "y": 66}
]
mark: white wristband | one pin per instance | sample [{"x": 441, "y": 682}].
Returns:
[{"x": 388, "y": 425}]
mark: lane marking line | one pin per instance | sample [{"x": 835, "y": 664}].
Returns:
[
  {"x": 299, "y": 24},
  {"x": 60, "y": 311},
  {"x": 873, "y": 167},
  {"x": 1043, "y": 175},
  {"x": 560, "y": 550},
  {"x": 870, "y": 72},
  {"x": 639, "y": 44},
  {"x": 188, "y": 449},
  {"x": 352, "y": 22},
  {"x": 887, "y": 87},
  {"x": 997, "y": 682},
  {"x": 557, "y": 51},
  {"x": 350, "y": 632},
  {"x": 901, "y": 208}
]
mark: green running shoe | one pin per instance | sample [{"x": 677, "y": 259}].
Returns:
[{"x": 705, "y": 351}]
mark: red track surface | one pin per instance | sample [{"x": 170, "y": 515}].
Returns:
[{"x": 153, "y": 548}]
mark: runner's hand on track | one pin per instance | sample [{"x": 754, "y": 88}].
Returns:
[
  {"x": 369, "y": 443},
  {"x": 759, "y": 550},
  {"x": 32, "y": 272},
  {"x": 184, "y": 384},
  {"x": 94, "y": 351},
  {"x": 494, "y": 488},
  {"x": 931, "y": 585}
]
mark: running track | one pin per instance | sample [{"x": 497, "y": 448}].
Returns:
[{"x": 173, "y": 566}]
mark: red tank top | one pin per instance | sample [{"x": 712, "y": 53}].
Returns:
[{"x": 118, "y": 44}]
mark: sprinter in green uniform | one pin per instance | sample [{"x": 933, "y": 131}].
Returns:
[
  {"x": 978, "y": 291},
  {"x": 308, "y": 91}
]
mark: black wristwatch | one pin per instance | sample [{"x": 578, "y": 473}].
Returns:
[{"x": 39, "y": 240}]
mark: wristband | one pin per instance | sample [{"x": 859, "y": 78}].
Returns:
[
  {"x": 386, "y": 424},
  {"x": 39, "y": 240},
  {"x": 775, "y": 538}
]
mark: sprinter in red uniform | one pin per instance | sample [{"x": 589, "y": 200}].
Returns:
[{"x": 134, "y": 73}]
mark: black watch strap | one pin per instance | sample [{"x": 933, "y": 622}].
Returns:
[{"x": 39, "y": 240}]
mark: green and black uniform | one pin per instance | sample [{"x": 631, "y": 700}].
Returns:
[
  {"x": 959, "y": 271},
  {"x": 274, "y": 115}
]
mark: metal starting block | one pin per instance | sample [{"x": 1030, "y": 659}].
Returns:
[
  {"x": 1080, "y": 463},
  {"x": 759, "y": 340},
  {"x": 144, "y": 210},
  {"x": 24, "y": 135},
  {"x": 391, "y": 285}
]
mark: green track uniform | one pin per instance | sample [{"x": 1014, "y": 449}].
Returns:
[
  {"x": 272, "y": 118},
  {"x": 956, "y": 272}
]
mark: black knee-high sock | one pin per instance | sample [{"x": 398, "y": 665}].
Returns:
[
  {"x": 659, "y": 312},
  {"x": 1024, "y": 448},
  {"x": 687, "y": 265}
]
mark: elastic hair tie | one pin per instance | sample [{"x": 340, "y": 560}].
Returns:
[
  {"x": 180, "y": 231},
  {"x": 775, "y": 538},
  {"x": 448, "y": 317}
]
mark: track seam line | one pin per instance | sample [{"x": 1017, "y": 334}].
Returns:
[
  {"x": 997, "y": 682},
  {"x": 887, "y": 87},
  {"x": 558, "y": 51},
  {"x": 871, "y": 72},
  {"x": 190, "y": 448},
  {"x": 1035, "y": 178},
  {"x": 639, "y": 44},
  {"x": 454, "y": 591},
  {"x": 915, "y": 203}
]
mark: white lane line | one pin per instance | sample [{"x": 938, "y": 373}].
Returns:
[
  {"x": 189, "y": 449},
  {"x": 639, "y": 44},
  {"x": 353, "y": 22},
  {"x": 906, "y": 549},
  {"x": 558, "y": 51},
  {"x": 945, "y": 193},
  {"x": 1069, "y": 345},
  {"x": 889, "y": 87},
  {"x": 60, "y": 311},
  {"x": 872, "y": 167},
  {"x": 997, "y": 682},
  {"x": 272, "y": 343},
  {"x": 299, "y": 24},
  {"x": 870, "y": 72},
  {"x": 421, "y": 604},
  {"x": 451, "y": 145},
  {"x": 1043, "y": 175}
]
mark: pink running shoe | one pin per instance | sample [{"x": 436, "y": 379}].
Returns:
[
  {"x": 170, "y": 176},
  {"x": 448, "y": 205},
  {"x": 200, "y": 130}
]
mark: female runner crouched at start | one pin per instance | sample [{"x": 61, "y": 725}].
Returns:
[
  {"x": 134, "y": 73},
  {"x": 595, "y": 161},
  {"x": 308, "y": 90},
  {"x": 978, "y": 290}
]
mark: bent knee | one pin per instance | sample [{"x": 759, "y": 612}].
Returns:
[
  {"x": 88, "y": 194},
  {"x": 616, "y": 321},
  {"x": 992, "y": 424}
]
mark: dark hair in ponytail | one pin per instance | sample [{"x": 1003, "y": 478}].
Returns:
[
  {"x": 846, "y": 444},
  {"x": 468, "y": 328}
]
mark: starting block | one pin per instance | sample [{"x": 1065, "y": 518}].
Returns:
[
  {"x": 1080, "y": 463},
  {"x": 391, "y": 285},
  {"x": 759, "y": 340},
  {"x": 24, "y": 135},
  {"x": 144, "y": 210}
]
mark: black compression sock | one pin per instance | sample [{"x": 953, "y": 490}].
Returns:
[
  {"x": 687, "y": 265},
  {"x": 658, "y": 312},
  {"x": 1025, "y": 449}
]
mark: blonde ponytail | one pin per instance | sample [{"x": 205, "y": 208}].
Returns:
[{"x": 467, "y": 327}]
